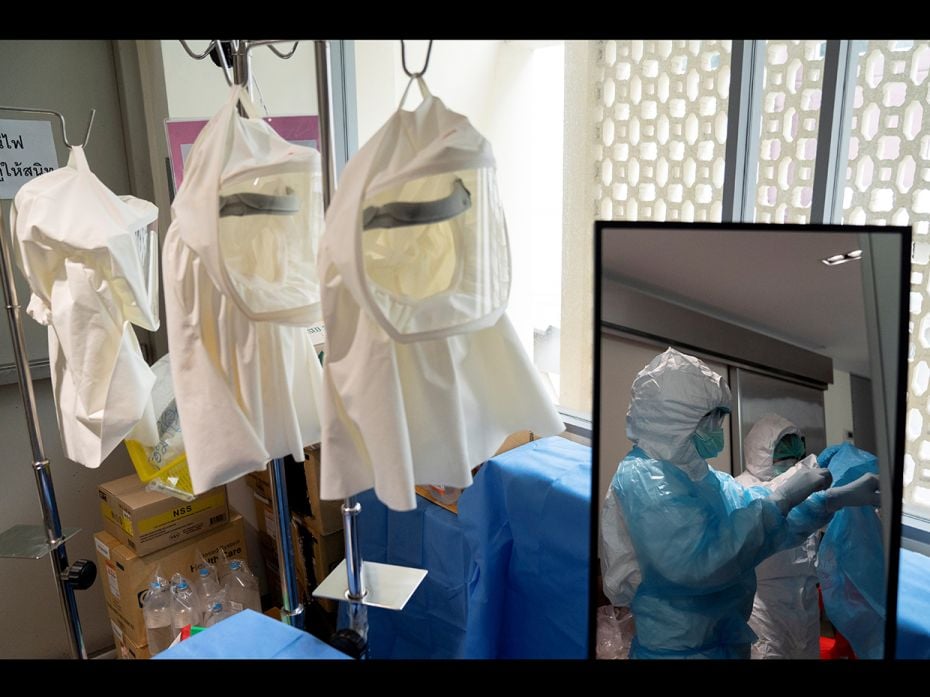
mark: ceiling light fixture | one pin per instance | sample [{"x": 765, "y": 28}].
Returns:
[{"x": 836, "y": 259}]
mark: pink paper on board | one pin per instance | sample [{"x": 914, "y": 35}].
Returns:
[{"x": 181, "y": 134}]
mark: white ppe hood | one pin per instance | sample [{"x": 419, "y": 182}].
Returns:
[
  {"x": 668, "y": 399},
  {"x": 424, "y": 374},
  {"x": 88, "y": 256},
  {"x": 240, "y": 287}
]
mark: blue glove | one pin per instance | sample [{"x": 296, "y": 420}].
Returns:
[{"x": 862, "y": 492}]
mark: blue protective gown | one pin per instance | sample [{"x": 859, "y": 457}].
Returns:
[{"x": 698, "y": 543}]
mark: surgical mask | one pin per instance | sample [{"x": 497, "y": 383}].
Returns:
[
  {"x": 708, "y": 445},
  {"x": 708, "y": 436}
]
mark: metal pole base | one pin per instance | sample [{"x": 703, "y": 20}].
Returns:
[
  {"x": 30, "y": 541},
  {"x": 295, "y": 617},
  {"x": 386, "y": 585}
]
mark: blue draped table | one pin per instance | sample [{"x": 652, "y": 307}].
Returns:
[
  {"x": 913, "y": 606},
  {"x": 508, "y": 576},
  {"x": 248, "y": 634}
]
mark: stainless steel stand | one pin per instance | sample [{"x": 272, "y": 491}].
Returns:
[{"x": 36, "y": 541}]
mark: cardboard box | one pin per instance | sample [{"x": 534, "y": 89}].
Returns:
[
  {"x": 147, "y": 521},
  {"x": 126, "y": 648},
  {"x": 319, "y": 553},
  {"x": 447, "y": 497},
  {"x": 125, "y": 575},
  {"x": 269, "y": 551},
  {"x": 315, "y": 556},
  {"x": 260, "y": 483},
  {"x": 303, "y": 492},
  {"x": 324, "y": 517},
  {"x": 264, "y": 516}
]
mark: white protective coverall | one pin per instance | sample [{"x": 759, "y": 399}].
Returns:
[
  {"x": 240, "y": 280},
  {"x": 88, "y": 256},
  {"x": 785, "y": 610},
  {"x": 424, "y": 374}
]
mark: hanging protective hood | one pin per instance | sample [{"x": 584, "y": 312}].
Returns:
[
  {"x": 240, "y": 288},
  {"x": 89, "y": 258},
  {"x": 424, "y": 374}
]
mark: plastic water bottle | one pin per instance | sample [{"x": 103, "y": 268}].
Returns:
[
  {"x": 218, "y": 612},
  {"x": 156, "y": 611},
  {"x": 185, "y": 606},
  {"x": 242, "y": 588},
  {"x": 207, "y": 587}
]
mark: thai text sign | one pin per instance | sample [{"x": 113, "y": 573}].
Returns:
[{"x": 26, "y": 151}]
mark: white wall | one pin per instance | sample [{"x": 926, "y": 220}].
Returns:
[
  {"x": 196, "y": 89},
  {"x": 837, "y": 408},
  {"x": 578, "y": 224}
]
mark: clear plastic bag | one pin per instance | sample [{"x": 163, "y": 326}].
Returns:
[
  {"x": 159, "y": 457},
  {"x": 615, "y": 629}
]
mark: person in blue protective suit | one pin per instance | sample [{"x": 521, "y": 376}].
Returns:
[{"x": 679, "y": 540}]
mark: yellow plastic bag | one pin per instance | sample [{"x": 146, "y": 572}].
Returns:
[{"x": 163, "y": 464}]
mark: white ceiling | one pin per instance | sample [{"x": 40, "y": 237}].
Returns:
[{"x": 772, "y": 282}]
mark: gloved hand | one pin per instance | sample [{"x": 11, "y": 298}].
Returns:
[
  {"x": 862, "y": 492},
  {"x": 804, "y": 483}
]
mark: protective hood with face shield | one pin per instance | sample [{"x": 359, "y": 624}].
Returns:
[
  {"x": 240, "y": 289},
  {"x": 680, "y": 540},
  {"x": 424, "y": 374},
  {"x": 785, "y": 611},
  {"x": 90, "y": 258}
]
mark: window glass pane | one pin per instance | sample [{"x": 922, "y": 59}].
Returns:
[
  {"x": 888, "y": 182},
  {"x": 791, "y": 92}
]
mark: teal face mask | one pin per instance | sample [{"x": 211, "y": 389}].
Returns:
[
  {"x": 708, "y": 436},
  {"x": 791, "y": 446},
  {"x": 708, "y": 445},
  {"x": 787, "y": 452}
]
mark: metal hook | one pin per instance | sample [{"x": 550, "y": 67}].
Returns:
[
  {"x": 285, "y": 56},
  {"x": 61, "y": 118},
  {"x": 195, "y": 56},
  {"x": 269, "y": 43},
  {"x": 403, "y": 59}
]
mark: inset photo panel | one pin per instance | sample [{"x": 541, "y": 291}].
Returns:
[{"x": 749, "y": 439}]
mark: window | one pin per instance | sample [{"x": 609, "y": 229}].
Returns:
[
  {"x": 888, "y": 182},
  {"x": 791, "y": 91},
  {"x": 661, "y": 115}
]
